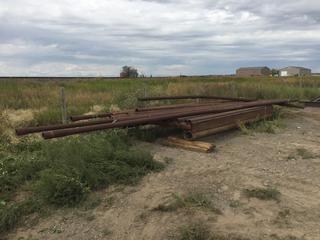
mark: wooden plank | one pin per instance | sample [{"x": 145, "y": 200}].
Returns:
[{"x": 190, "y": 145}]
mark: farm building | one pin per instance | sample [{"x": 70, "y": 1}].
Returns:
[
  {"x": 294, "y": 71},
  {"x": 253, "y": 71}
]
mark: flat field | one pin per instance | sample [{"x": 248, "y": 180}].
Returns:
[
  {"x": 84, "y": 95},
  {"x": 260, "y": 183}
]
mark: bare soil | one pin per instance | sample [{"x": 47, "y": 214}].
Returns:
[{"x": 240, "y": 162}]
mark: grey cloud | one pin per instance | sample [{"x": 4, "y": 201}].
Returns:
[{"x": 160, "y": 37}]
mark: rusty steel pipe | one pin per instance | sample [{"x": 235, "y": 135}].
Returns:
[
  {"x": 229, "y": 114},
  {"x": 182, "y": 109},
  {"x": 230, "y": 118},
  {"x": 174, "y": 106},
  {"x": 194, "y": 97},
  {"x": 98, "y": 115},
  {"x": 151, "y": 120},
  {"x": 196, "y": 135},
  {"x": 29, "y": 130},
  {"x": 89, "y": 116}
]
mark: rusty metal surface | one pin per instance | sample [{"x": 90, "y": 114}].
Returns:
[
  {"x": 216, "y": 120},
  {"x": 226, "y": 123}
]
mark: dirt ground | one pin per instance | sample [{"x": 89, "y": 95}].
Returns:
[{"x": 240, "y": 162}]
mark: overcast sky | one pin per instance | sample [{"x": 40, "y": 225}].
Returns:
[{"x": 159, "y": 37}]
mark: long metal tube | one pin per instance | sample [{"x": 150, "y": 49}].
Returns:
[
  {"x": 99, "y": 115},
  {"x": 194, "y": 97},
  {"x": 89, "y": 116},
  {"x": 209, "y": 117},
  {"x": 151, "y": 120},
  {"x": 173, "y": 106},
  {"x": 28, "y": 130}
]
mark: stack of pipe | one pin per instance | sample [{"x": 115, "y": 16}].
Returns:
[
  {"x": 196, "y": 119},
  {"x": 313, "y": 103}
]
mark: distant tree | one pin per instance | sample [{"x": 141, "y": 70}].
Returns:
[
  {"x": 275, "y": 72},
  {"x": 129, "y": 72}
]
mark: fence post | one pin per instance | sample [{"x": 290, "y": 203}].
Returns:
[{"x": 63, "y": 105}]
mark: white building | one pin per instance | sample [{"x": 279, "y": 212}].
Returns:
[{"x": 294, "y": 71}]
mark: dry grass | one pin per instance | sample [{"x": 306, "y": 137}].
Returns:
[{"x": 82, "y": 95}]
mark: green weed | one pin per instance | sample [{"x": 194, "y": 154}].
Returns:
[{"x": 263, "y": 193}]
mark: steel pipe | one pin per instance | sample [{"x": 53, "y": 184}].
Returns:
[{"x": 194, "y": 97}]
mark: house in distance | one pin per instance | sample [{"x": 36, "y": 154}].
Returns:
[
  {"x": 294, "y": 71},
  {"x": 253, "y": 72}
]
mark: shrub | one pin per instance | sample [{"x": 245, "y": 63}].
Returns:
[{"x": 59, "y": 189}]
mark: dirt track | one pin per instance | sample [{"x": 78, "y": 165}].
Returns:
[{"x": 240, "y": 162}]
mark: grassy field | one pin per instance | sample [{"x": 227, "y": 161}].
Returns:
[
  {"x": 82, "y": 95},
  {"x": 35, "y": 174}
]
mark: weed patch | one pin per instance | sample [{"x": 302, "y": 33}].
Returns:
[
  {"x": 282, "y": 218},
  {"x": 263, "y": 193},
  {"x": 201, "y": 231},
  {"x": 189, "y": 200},
  {"x": 304, "y": 153},
  {"x": 270, "y": 125}
]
